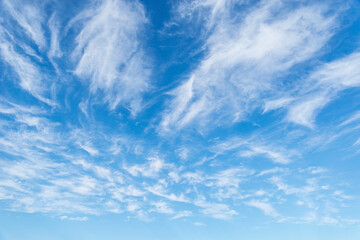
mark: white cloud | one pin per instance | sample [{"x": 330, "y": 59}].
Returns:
[
  {"x": 341, "y": 73},
  {"x": 7, "y": 107},
  {"x": 151, "y": 168},
  {"x": 254, "y": 146},
  {"x": 29, "y": 17},
  {"x": 271, "y": 171},
  {"x": 84, "y": 185},
  {"x": 357, "y": 142},
  {"x": 193, "y": 177},
  {"x": 174, "y": 176},
  {"x": 277, "y": 157},
  {"x": 277, "y": 103},
  {"x": 181, "y": 214},
  {"x": 109, "y": 52},
  {"x": 263, "y": 206},
  {"x": 340, "y": 194},
  {"x": 310, "y": 192},
  {"x": 316, "y": 170},
  {"x": 352, "y": 119},
  {"x": 229, "y": 177},
  {"x": 30, "y": 78},
  {"x": 129, "y": 190},
  {"x": 99, "y": 171},
  {"x": 84, "y": 140},
  {"x": 199, "y": 224},
  {"x": 159, "y": 190},
  {"x": 133, "y": 206},
  {"x": 215, "y": 210},
  {"x": 304, "y": 112},
  {"x": 322, "y": 86},
  {"x": 162, "y": 207},
  {"x": 54, "y": 27},
  {"x": 328, "y": 221},
  {"x": 229, "y": 145},
  {"x": 242, "y": 59},
  {"x": 183, "y": 153},
  {"x": 81, "y": 219}
]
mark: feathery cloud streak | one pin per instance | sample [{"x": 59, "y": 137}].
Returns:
[
  {"x": 109, "y": 53},
  {"x": 245, "y": 53}
]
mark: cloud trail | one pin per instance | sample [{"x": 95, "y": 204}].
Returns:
[{"x": 109, "y": 52}]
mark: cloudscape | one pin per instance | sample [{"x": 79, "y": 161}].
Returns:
[{"x": 180, "y": 119}]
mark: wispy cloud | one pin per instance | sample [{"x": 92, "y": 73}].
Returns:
[
  {"x": 215, "y": 210},
  {"x": 254, "y": 147},
  {"x": 29, "y": 17},
  {"x": 152, "y": 168},
  {"x": 109, "y": 52},
  {"x": 352, "y": 119},
  {"x": 30, "y": 78},
  {"x": 22, "y": 42},
  {"x": 81, "y": 219},
  {"x": 182, "y": 214},
  {"x": 242, "y": 60},
  {"x": 263, "y": 206},
  {"x": 162, "y": 207},
  {"x": 323, "y": 86},
  {"x": 161, "y": 191},
  {"x": 54, "y": 27}
]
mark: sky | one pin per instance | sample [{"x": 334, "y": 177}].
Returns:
[{"x": 185, "y": 120}]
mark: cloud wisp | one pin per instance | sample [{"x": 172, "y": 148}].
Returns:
[
  {"x": 245, "y": 54},
  {"x": 109, "y": 52}
]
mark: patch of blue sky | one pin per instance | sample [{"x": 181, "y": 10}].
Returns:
[{"x": 187, "y": 119}]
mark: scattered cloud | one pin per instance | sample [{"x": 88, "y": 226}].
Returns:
[
  {"x": 182, "y": 214},
  {"x": 263, "y": 206},
  {"x": 243, "y": 57},
  {"x": 258, "y": 111},
  {"x": 112, "y": 58},
  {"x": 215, "y": 210},
  {"x": 29, "y": 17},
  {"x": 80, "y": 219}
]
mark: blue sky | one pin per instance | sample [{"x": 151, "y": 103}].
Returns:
[{"x": 204, "y": 119}]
